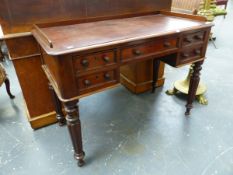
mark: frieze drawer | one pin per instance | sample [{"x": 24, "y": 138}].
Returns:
[
  {"x": 94, "y": 61},
  {"x": 97, "y": 80},
  {"x": 147, "y": 48}
]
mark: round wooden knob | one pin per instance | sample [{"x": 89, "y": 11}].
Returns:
[
  {"x": 106, "y": 59},
  {"x": 197, "y": 52},
  {"x": 189, "y": 40},
  {"x": 107, "y": 76},
  {"x": 137, "y": 52},
  {"x": 199, "y": 37},
  {"x": 185, "y": 55},
  {"x": 167, "y": 44},
  {"x": 87, "y": 82},
  {"x": 85, "y": 63}
]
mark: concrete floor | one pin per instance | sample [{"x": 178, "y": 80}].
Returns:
[{"x": 125, "y": 134}]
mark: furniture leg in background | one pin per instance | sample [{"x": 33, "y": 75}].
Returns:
[
  {"x": 5, "y": 79},
  {"x": 156, "y": 64},
  {"x": 7, "y": 83},
  {"x": 74, "y": 126},
  {"x": 58, "y": 107}
]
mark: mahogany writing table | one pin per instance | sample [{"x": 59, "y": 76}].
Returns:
[{"x": 84, "y": 57}]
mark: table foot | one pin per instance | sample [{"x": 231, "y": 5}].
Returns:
[{"x": 80, "y": 158}]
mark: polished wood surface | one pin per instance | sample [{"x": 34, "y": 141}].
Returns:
[
  {"x": 17, "y": 21},
  {"x": 79, "y": 63},
  {"x": 108, "y": 32}
]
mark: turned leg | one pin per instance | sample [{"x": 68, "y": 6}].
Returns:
[
  {"x": 194, "y": 82},
  {"x": 74, "y": 126},
  {"x": 58, "y": 107},
  {"x": 156, "y": 64},
  {"x": 7, "y": 83}
]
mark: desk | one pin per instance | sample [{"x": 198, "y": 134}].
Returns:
[{"x": 84, "y": 57}]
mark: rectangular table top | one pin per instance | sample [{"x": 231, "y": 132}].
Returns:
[{"x": 79, "y": 37}]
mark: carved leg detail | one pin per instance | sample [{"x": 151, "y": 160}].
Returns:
[
  {"x": 156, "y": 64},
  {"x": 194, "y": 82},
  {"x": 58, "y": 107},
  {"x": 74, "y": 126},
  {"x": 7, "y": 83}
]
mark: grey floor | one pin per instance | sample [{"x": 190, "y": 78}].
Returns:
[{"x": 125, "y": 134}]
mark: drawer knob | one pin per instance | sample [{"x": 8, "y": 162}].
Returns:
[
  {"x": 107, "y": 76},
  {"x": 189, "y": 40},
  {"x": 185, "y": 55},
  {"x": 137, "y": 52},
  {"x": 106, "y": 59},
  {"x": 87, "y": 82},
  {"x": 199, "y": 37},
  {"x": 167, "y": 44},
  {"x": 197, "y": 52},
  {"x": 85, "y": 63}
]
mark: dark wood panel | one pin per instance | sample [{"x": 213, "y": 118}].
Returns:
[{"x": 19, "y": 15}]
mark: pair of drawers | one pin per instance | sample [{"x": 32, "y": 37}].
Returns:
[
  {"x": 91, "y": 66},
  {"x": 192, "y": 47}
]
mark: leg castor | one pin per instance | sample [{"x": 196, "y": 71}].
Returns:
[{"x": 80, "y": 158}]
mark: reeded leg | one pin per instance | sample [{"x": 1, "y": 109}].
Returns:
[
  {"x": 74, "y": 126},
  {"x": 156, "y": 64},
  {"x": 194, "y": 82},
  {"x": 7, "y": 83},
  {"x": 58, "y": 107}
]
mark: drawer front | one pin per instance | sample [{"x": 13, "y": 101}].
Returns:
[
  {"x": 148, "y": 48},
  {"x": 190, "y": 55},
  {"x": 94, "y": 61},
  {"x": 97, "y": 81},
  {"x": 193, "y": 38}
]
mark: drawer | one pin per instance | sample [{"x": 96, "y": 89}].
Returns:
[
  {"x": 190, "y": 55},
  {"x": 193, "y": 38},
  {"x": 97, "y": 81},
  {"x": 94, "y": 61},
  {"x": 144, "y": 49}
]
